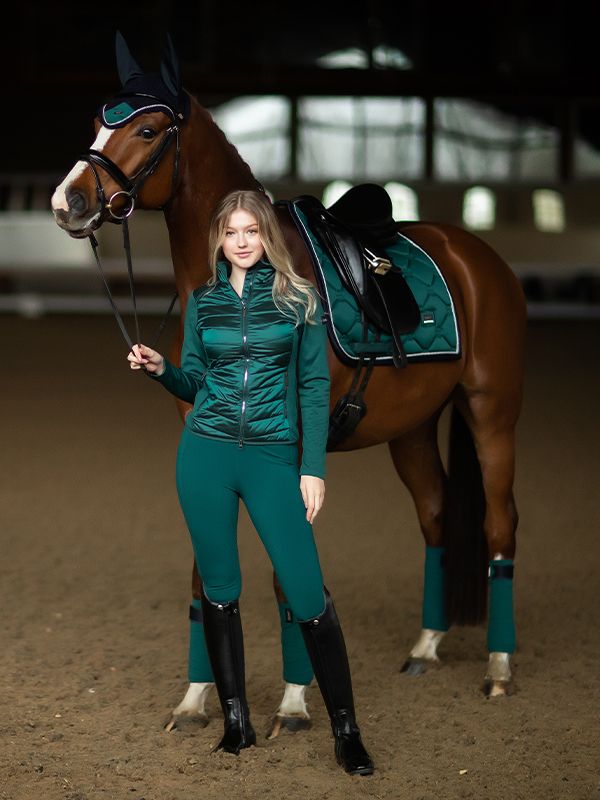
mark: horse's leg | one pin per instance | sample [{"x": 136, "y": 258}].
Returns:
[
  {"x": 292, "y": 713},
  {"x": 492, "y": 419},
  {"x": 417, "y": 461},
  {"x": 193, "y": 705}
]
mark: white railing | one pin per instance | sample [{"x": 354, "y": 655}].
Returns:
[{"x": 40, "y": 262}]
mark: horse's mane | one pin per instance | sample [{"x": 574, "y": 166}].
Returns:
[{"x": 208, "y": 118}]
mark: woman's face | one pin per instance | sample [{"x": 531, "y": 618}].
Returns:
[{"x": 241, "y": 243}]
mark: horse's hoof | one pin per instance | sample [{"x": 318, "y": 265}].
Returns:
[
  {"x": 293, "y": 724},
  {"x": 177, "y": 721},
  {"x": 495, "y": 688},
  {"x": 416, "y": 666}
]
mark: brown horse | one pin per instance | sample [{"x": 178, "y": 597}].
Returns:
[{"x": 191, "y": 166}]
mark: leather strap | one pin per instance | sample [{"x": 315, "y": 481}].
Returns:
[
  {"x": 115, "y": 172},
  {"x": 113, "y": 305},
  {"x": 133, "y": 185}
]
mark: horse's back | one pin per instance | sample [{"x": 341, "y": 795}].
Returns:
[
  {"x": 463, "y": 255},
  {"x": 490, "y": 304}
]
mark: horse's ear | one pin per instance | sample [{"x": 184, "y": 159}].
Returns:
[
  {"x": 126, "y": 64},
  {"x": 169, "y": 68}
]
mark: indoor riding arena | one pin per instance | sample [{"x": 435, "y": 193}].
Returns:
[{"x": 456, "y": 117}]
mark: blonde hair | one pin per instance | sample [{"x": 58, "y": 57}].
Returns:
[{"x": 289, "y": 289}]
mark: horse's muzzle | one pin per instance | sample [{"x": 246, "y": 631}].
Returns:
[
  {"x": 77, "y": 202},
  {"x": 75, "y": 227}
]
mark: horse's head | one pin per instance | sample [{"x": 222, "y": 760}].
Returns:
[{"x": 137, "y": 136}]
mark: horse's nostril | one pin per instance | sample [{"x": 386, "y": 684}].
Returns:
[{"x": 77, "y": 202}]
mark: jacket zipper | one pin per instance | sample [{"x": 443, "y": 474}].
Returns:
[
  {"x": 285, "y": 396},
  {"x": 246, "y": 363}
]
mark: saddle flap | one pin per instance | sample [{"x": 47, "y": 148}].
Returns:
[{"x": 391, "y": 296}]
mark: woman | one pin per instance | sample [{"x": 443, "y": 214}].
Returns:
[{"x": 254, "y": 345}]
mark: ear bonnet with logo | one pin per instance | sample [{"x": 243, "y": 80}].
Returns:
[{"x": 142, "y": 93}]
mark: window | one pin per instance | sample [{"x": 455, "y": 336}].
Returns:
[
  {"x": 548, "y": 210},
  {"x": 259, "y": 129},
  {"x": 587, "y": 142},
  {"x": 333, "y": 191},
  {"x": 474, "y": 141},
  {"x": 356, "y": 58},
  {"x": 405, "y": 205},
  {"x": 360, "y": 138},
  {"x": 479, "y": 208}
]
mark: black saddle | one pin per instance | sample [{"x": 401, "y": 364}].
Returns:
[{"x": 354, "y": 232}]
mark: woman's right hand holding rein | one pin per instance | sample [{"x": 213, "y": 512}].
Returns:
[{"x": 142, "y": 357}]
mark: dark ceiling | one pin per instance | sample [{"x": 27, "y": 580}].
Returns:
[{"x": 534, "y": 58}]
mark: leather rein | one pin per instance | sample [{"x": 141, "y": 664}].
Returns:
[{"x": 130, "y": 188}]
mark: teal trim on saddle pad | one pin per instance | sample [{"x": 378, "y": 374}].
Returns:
[{"x": 436, "y": 337}]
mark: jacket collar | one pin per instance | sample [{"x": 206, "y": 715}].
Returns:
[{"x": 263, "y": 271}]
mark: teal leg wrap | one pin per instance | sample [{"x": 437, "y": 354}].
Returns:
[
  {"x": 199, "y": 669},
  {"x": 434, "y": 612},
  {"x": 501, "y": 625},
  {"x": 297, "y": 667}
]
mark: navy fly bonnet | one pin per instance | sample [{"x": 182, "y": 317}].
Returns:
[{"x": 143, "y": 93}]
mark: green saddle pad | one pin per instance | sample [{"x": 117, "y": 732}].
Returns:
[{"x": 436, "y": 338}]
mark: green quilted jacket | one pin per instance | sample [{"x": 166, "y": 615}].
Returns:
[{"x": 251, "y": 374}]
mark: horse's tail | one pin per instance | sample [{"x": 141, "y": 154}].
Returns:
[{"x": 466, "y": 556}]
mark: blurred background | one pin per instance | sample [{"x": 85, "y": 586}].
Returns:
[
  {"x": 481, "y": 114},
  {"x": 485, "y": 115}
]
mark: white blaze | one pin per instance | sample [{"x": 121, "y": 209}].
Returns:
[{"x": 59, "y": 198}]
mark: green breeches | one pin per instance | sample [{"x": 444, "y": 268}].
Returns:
[{"x": 212, "y": 476}]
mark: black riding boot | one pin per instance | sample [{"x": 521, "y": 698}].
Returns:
[
  {"x": 225, "y": 644},
  {"x": 327, "y": 650}
]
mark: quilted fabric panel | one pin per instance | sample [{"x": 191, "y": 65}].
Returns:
[{"x": 437, "y": 334}]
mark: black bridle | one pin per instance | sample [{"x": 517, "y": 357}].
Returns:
[{"x": 130, "y": 188}]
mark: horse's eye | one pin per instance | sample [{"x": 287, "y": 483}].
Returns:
[{"x": 147, "y": 133}]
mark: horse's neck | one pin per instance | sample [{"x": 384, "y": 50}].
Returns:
[{"x": 210, "y": 167}]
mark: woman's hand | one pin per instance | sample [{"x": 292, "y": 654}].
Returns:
[
  {"x": 141, "y": 356},
  {"x": 313, "y": 494}
]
